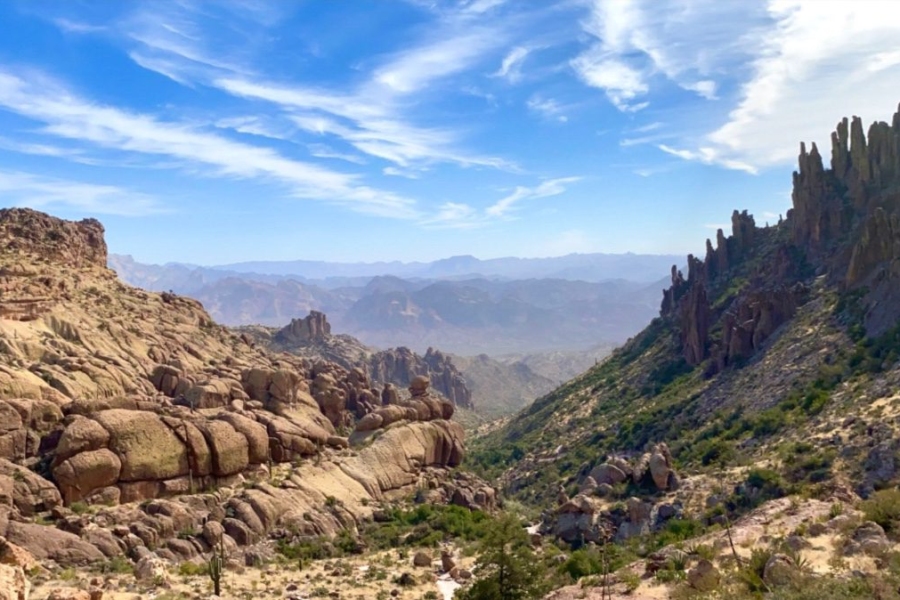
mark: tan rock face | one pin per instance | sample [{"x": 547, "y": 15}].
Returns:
[
  {"x": 13, "y": 584},
  {"x": 312, "y": 328},
  {"x": 140, "y": 399}
]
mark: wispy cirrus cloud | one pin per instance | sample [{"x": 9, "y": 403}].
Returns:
[
  {"x": 550, "y": 187},
  {"x": 460, "y": 215},
  {"x": 371, "y": 117},
  {"x": 689, "y": 44},
  {"x": 511, "y": 67},
  {"x": 67, "y": 116},
  {"x": 79, "y": 27},
  {"x": 548, "y": 108},
  {"x": 38, "y": 191}
]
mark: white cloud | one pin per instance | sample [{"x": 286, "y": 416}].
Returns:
[
  {"x": 548, "y": 107},
  {"x": 706, "y": 88},
  {"x": 68, "y": 116},
  {"x": 621, "y": 82},
  {"x": 511, "y": 67},
  {"x": 38, "y": 191},
  {"x": 814, "y": 68},
  {"x": 454, "y": 215},
  {"x": 395, "y": 172},
  {"x": 254, "y": 125},
  {"x": 70, "y": 26},
  {"x": 412, "y": 70},
  {"x": 707, "y": 156},
  {"x": 550, "y": 187},
  {"x": 687, "y": 43},
  {"x": 371, "y": 128},
  {"x": 325, "y": 151}
]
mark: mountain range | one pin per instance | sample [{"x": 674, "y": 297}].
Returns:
[{"x": 466, "y": 306}]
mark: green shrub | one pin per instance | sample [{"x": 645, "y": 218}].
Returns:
[{"x": 883, "y": 507}]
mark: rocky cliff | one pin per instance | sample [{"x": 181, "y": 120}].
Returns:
[
  {"x": 780, "y": 334},
  {"x": 110, "y": 395},
  {"x": 311, "y": 337},
  {"x": 844, "y": 224}
]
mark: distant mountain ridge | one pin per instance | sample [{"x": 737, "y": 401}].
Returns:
[
  {"x": 593, "y": 267},
  {"x": 481, "y": 314}
]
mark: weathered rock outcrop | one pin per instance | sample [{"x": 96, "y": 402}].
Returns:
[
  {"x": 110, "y": 395},
  {"x": 857, "y": 194},
  {"x": 311, "y": 337},
  {"x": 401, "y": 365},
  {"x": 310, "y": 329}
]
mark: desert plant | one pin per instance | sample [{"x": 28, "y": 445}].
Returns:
[
  {"x": 883, "y": 507},
  {"x": 216, "y": 567}
]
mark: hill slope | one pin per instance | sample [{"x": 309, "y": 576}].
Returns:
[
  {"x": 782, "y": 334},
  {"x": 182, "y": 431}
]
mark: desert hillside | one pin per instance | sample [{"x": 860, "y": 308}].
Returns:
[{"x": 134, "y": 427}]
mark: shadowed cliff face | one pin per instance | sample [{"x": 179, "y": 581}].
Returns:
[{"x": 844, "y": 224}]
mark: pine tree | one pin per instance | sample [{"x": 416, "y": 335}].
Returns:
[{"x": 507, "y": 568}]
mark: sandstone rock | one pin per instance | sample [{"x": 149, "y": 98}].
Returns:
[
  {"x": 81, "y": 435},
  {"x": 230, "y": 449},
  {"x": 152, "y": 568},
  {"x": 48, "y": 543},
  {"x": 83, "y": 473},
  {"x": 419, "y": 385},
  {"x": 13, "y": 583},
  {"x": 422, "y": 559},
  {"x": 69, "y": 594},
  {"x": 73, "y": 244},
  {"x": 148, "y": 449},
  {"x": 312, "y": 328},
  {"x": 779, "y": 570},
  {"x": 609, "y": 474},
  {"x": 868, "y": 538},
  {"x": 30, "y": 493},
  {"x": 704, "y": 577},
  {"x": 659, "y": 470},
  {"x": 256, "y": 434},
  {"x": 16, "y": 556},
  {"x": 447, "y": 561},
  {"x": 389, "y": 395}
]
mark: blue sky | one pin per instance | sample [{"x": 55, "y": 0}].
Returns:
[{"x": 216, "y": 132}]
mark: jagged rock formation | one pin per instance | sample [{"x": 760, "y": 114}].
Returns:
[
  {"x": 311, "y": 337},
  {"x": 779, "y": 334},
  {"x": 111, "y": 395},
  {"x": 858, "y": 194},
  {"x": 401, "y": 365},
  {"x": 312, "y": 328}
]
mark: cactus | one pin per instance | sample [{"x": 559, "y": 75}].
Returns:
[{"x": 216, "y": 564}]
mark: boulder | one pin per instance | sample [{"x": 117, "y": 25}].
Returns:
[
  {"x": 153, "y": 569},
  {"x": 81, "y": 435},
  {"x": 69, "y": 594},
  {"x": 422, "y": 559},
  {"x": 447, "y": 561},
  {"x": 230, "y": 449},
  {"x": 609, "y": 474},
  {"x": 148, "y": 449},
  {"x": 83, "y": 473},
  {"x": 48, "y": 543},
  {"x": 779, "y": 570},
  {"x": 868, "y": 538},
  {"x": 704, "y": 576},
  {"x": 659, "y": 470},
  {"x": 26, "y": 490}
]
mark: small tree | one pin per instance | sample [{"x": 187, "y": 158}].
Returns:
[{"x": 506, "y": 566}]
